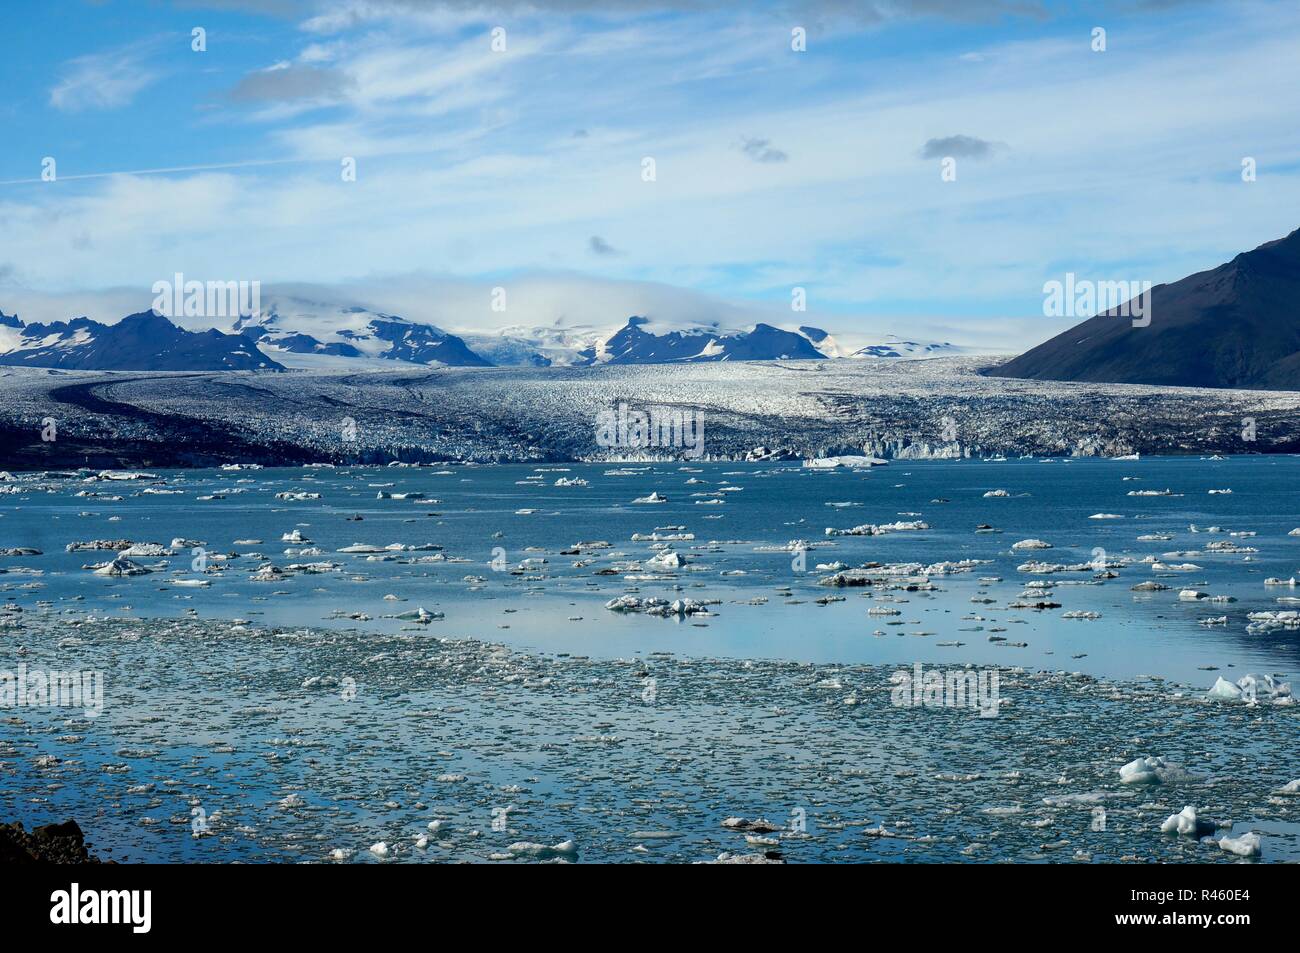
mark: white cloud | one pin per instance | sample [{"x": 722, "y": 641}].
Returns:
[
  {"x": 102, "y": 80},
  {"x": 1119, "y": 165}
]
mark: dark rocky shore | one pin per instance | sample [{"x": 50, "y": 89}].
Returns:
[{"x": 51, "y": 844}]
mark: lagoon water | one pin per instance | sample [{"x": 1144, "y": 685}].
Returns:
[
  {"x": 319, "y": 722},
  {"x": 465, "y": 508}
]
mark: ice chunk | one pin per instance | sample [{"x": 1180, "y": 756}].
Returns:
[
  {"x": 1148, "y": 771},
  {"x": 1247, "y": 845},
  {"x": 1187, "y": 823},
  {"x": 565, "y": 850}
]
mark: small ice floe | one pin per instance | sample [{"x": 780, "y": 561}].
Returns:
[
  {"x": 1214, "y": 620},
  {"x": 996, "y": 494},
  {"x": 654, "y": 497},
  {"x": 726, "y": 857},
  {"x": 1031, "y": 544},
  {"x": 660, "y": 607},
  {"x": 295, "y": 536},
  {"x": 564, "y": 850},
  {"x": 1252, "y": 689},
  {"x": 1247, "y": 845},
  {"x": 1271, "y": 621},
  {"x": 339, "y": 854},
  {"x": 1187, "y": 823},
  {"x": 1164, "y": 492},
  {"x": 1106, "y": 516},
  {"x": 1038, "y": 567},
  {"x": 380, "y": 850},
  {"x": 421, "y": 616},
  {"x": 667, "y": 560},
  {"x": 1080, "y": 614},
  {"x": 149, "y": 550},
  {"x": 1273, "y": 581},
  {"x": 1291, "y": 787},
  {"x": 575, "y": 481},
  {"x": 319, "y": 681},
  {"x": 1149, "y": 586},
  {"x": 1158, "y": 566},
  {"x": 1192, "y": 595},
  {"x": 830, "y": 463},
  {"x": 1219, "y": 492},
  {"x": 298, "y": 497},
  {"x": 120, "y": 566},
  {"x": 1150, "y": 771},
  {"x": 759, "y": 825},
  {"x": 871, "y": 529}
]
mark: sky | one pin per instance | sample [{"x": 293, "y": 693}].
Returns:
[{"x": 507, "y": 146}]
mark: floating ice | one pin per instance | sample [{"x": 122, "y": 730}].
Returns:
[
  {"x": 1149, "y": 771},
  {"x": 565, "y": 850},
  {"x": 1247, "y": 845},
  {"x": 830, "y": 463},
  {"x": 121, "y": 566},
  {"x": 1031, "y": 544},
  {"x": 1187, "y": 823}
]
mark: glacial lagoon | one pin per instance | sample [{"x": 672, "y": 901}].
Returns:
[{"x": 304, "y": 664}]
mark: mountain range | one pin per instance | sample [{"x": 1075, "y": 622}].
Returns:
[
  {"x": 1237, "y": 325},
  {"x": 139, "y": 342},
  {"x": 292, "y": 332}
]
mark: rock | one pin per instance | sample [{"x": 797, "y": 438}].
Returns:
[{"x": 61, "y": 843}]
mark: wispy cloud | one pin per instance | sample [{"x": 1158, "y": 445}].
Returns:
[
  {"x": 106, "y": 80},
  {"x": 774, "y": 168}
]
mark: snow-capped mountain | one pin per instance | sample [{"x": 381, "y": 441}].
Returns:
[
  {"x": 302, "y": 333},
  {"x": 139, "y": 342},
  {"x": 643, "y": 341}
]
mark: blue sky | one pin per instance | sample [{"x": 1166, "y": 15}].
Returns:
[{"x": 523, "y": 168}]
